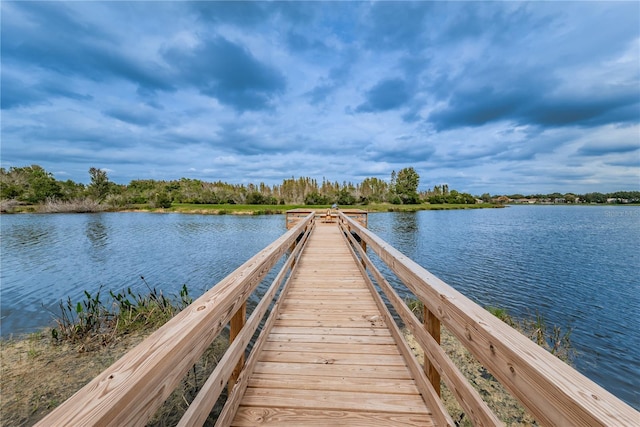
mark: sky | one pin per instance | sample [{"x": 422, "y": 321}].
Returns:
[{"x": 498, "y": 97}]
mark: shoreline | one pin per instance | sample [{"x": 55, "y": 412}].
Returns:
[{"x": 228, "y": 209}]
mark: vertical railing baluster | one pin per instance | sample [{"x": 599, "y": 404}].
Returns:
[
  {"x": 236, "y": 324},
  {"x": 432, "y": 326}
]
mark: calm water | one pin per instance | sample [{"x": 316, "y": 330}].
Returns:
[
  {"x": 46, "y": 258},
  {"x": 578, "y": 266}
]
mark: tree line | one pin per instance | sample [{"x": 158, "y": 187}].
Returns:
[{"x": 34, "y": 185}]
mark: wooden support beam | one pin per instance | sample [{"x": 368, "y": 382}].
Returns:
[
  {"x": 432, "y": 326},
  {"x": 237, "y": 323}
]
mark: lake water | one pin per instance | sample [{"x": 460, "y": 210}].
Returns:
[{"x": 576, "y": 265}]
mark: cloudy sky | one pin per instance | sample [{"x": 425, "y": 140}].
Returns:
[{"x": 496, "y": 97}]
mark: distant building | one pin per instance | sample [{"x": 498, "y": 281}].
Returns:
[{"x": 525, "y": 201}]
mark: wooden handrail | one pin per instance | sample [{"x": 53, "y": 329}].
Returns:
[
  {"x": 554, "y": 392},
  {"x": 202, "y": 404},
  {"x": 295, "y": 215},
  {"x": 131, "y": 390}
]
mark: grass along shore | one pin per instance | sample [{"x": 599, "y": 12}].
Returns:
[
  {"x": 88, "y": 206},
  {"x": 281, "y": 209},
  {"x": 43, "y": 369}
]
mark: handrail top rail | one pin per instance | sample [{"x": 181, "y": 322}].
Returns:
[{"x": 322, "y": 210}]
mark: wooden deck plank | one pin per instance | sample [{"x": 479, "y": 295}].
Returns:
[
  {"x": 335, "y": 313},
  {"x": 333, "y": 348},
  {"x": 330, "y": 323},
  {"x": 330, "y": 358},
  {"x": 290, "y": 417},
  {"x": 354, "y": 384},
  {"x": 339, "y": 339},
  {"x": 328, "y": 314},
  {"x": 350, "y": 294},
  {"x": 302, "y": 330},
  {"x": 334, "y": 400},
  {"x": 346, "y": 371},
  {"x": 327, "y": 358}
]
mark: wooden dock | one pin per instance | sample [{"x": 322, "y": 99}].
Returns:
[
  {"x": 328, "y": 350},
  {"x": 330, "y": 357}
]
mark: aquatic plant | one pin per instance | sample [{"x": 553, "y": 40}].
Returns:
[
  {"x": 502, "y": 314},
  {"x": 38, "y": 376},
  {"x": 98, "y": 320}
]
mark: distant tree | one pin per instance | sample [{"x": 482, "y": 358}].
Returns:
[
  {"x": 99, "y": 187},
  {"x": 31, "y": 184},
  {"x": 555, "y": 196},
  {"x": 595, "y": 198},
  {"x": 344, "y": 197},
  {"x": 161, "y": 200},
  {"x": 257, "y": 198},
  {"x": 406, "y": 186},
  {"x": 71, "y": 190},
  {"x": 455, "y": 197},
  {"x": 316, "y": 198},
  {"x": 10, "y": 188},
  {"x": 373, "y": 190},
  {"x": 254, "y": 198},
  {"x": 486, "y": 197}
]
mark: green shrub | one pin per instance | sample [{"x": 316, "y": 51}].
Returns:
[
  {"x": 161, "y": 200},
  {"x": 94, "y": 319}
]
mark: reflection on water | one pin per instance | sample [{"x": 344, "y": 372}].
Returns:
[
  {"x": 46, "y": 258},
  {"x": 96, "y": 231},
  {"x": 404, "y": 225}
]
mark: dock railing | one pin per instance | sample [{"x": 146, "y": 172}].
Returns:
[
  {"x": 325, "y": 215},
  {"x": 131, "y": 390},
  {"x": 553, "y": 392}
]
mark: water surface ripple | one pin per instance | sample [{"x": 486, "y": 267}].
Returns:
[
  {"x": 578, "y": 266},
  {"x": 47, "y": 258}
]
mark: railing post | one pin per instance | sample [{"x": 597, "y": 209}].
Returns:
[
  {"x": 237, "y": 322},
  {"x": 432, "y": 326},
  {"x": 363, "y": 245}
]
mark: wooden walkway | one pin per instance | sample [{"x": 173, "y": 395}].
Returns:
[
  {"x": 330, "y": 359},
  {"x": 330, "y": 353}
]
